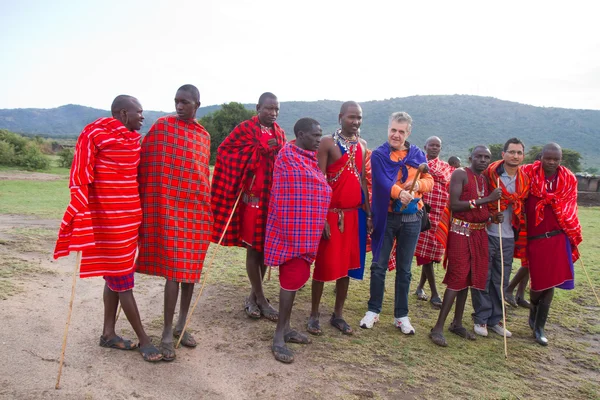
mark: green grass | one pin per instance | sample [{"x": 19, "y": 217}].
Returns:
[{"x": 382, "y": 362}]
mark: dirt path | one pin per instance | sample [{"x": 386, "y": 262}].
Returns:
[{"x": 232, "y": 360}]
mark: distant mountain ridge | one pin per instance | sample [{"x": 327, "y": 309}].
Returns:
[{"x": 460, "y": 120}]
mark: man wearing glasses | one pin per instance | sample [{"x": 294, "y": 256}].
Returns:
[{"x": 514, "y": 184}]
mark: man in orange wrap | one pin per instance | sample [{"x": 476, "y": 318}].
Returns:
[
  {"x": 342, "y": 159},
  {"x": 245, "y": 163},
  {"x": 104, "y": 215},
  {"x": 177, "y": 222}
]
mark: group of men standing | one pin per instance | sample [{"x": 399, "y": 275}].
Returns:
[{"x": 316, "y": 200}]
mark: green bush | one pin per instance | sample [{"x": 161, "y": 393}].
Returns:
[
  {"x": 32, "y": 158},
  {"x": 65, "y": 159},
  {"x": 7, "y": 153}
]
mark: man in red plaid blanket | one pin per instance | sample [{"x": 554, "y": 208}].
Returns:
[
  {"x": 104, "y": 215},
  {"x": 175, "y": 195},
  {"x": 244, "y": 165},
  {"x": 342, "y": 158},
  {"x": 297, "y": 211},
  {"x": 429, "y": 250},
  {"x": 553, "y": 233}
]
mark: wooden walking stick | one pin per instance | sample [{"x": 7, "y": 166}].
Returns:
[
  {"x": 189, "y": 318},
  {"x": 502, "y": 280},
  {"x": 64, "y": 343},
  {"x": 422, "y": 168},
  {"x": 589, "y": 280}
]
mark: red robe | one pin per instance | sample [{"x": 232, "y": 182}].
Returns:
[
  {"x": 239, "y": 157},
  {"x": 341, "y": 252},
  {"x": 104, "y": 214},
  {"x": 175, "y": 195},
  {"x": 467, "y": 256}
]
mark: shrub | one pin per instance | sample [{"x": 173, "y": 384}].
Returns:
[
  {"x": 65, "y": 159},
  {"x": 32, "y": 158},
  {"x": 7, "y": 153}
]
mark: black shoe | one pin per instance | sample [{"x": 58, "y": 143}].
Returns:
[
  {"x": 532, "y": 313},
  {"x": 540, "y": 321}
]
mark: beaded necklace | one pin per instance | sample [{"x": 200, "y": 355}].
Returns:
[{"x": 350, "y": 147}]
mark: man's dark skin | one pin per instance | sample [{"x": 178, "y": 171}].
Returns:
[
  {"x": 186, "y": 105},
  {"x": 306, "y": 141},
  {"x": 433, "y": 146},
  {"x": 551, "y": 159},
  {"x": 350, "y": 119},
  {"x": 454, "y": 162},
  {"x": 129, "y": 111},
  {"x": 480, "y": 159},
  {"x": 255, "y": 265}
]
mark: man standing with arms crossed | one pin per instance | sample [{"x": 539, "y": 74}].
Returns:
[{"x": 515, "y": 187}]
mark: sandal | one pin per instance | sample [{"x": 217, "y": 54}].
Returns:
[
  {"x": 269, "y": 312},
  {"x": 251, "y": 309},
  {"x": 436, "y": 302},
  {"x": 187, "y": 340},
  {"x": 283, "y": 354},
  {"x": 294, "y": 336},
  {"x": 314, "y": 327},
  {"x": 150, "y": 353},
  {"x": 167, "y": 350},
  {"x": 118, "y": 343},
  {"x": 510, "y": 299},
  {"x": 462, "y": 332},
  {"x": 438, "y": 338},
  {"x": 340, "y": 324},
  {"x": 521, "y": 302},
  {"x": 421, "y": 295}
]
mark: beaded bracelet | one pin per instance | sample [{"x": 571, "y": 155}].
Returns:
[{"x": 472, "y": 204}]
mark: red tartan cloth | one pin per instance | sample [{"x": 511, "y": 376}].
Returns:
[
  {"x": 238, "y": 157},
  {"x": 549, "y": 262},
  {"x": 428, "y": 248},
  {"x": 121, "y": 283},
  {"x": 175, "y": 196},
  {"x": 297, "y": 208},
  {"x": 467, "y": 256},
  {"x": 341, "y": 252},
  {"x": 563, "y": 201},
  {"x": 103, "y": 216}
]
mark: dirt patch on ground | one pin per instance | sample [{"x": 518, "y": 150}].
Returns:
[{"x": 29, "y": 176}]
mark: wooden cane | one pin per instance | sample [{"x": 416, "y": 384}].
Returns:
[
  {"x": 502, "y": 280},
  {"x": 422, "y": 168},
  {"x": 208, "y": 267},
  {"x": 589, "y": 280},
  {"x": 64, "y": 343},
  {"x": 269, "y": 274}
]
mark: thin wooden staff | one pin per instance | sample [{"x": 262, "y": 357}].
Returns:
[
  {"x": 422, "y": 168},
  {"x": 187, "y": 321},
  {"x": 502, "y": 280},
  {"x": 589, "y": 280},
  {"x": 64, "y": 343}
]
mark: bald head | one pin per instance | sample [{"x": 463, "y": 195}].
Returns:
[
  {"x": 348, "y": 104},
  {"x": 433, "y": 146},
  {"x": 551, "y": 147},
  {"x": 121, "y": 102},
  {"x": 434, "y": 138}
]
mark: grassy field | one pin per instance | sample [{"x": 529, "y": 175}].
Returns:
[{"x": 384, "y": 358}]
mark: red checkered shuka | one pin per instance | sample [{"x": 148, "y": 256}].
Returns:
[
  {"x": 238, "y": 157},
  {"x": 104, "y": 214},
  {"x": 298, "y": 207},
  {"x": 467, "y": 256},
  {"x": 428, "y": 247},
  {"x": 175, "y": 195}
]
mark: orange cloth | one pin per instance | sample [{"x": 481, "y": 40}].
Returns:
[{"x": 425, "y": 180}]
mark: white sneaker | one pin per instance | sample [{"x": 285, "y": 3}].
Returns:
[
  {"x": 369, "y": 320},
  {"x": 481, "y": 330},
  {"x": 404, "y": 325},
  {"x": 499, "y": 329}
]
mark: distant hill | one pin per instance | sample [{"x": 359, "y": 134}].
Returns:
[{"x": 461, "y": 121}]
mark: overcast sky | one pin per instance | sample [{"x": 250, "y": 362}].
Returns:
[{"x": 544, "y": 53}]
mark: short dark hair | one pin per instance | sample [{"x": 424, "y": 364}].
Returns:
[
  {"x": 121, "y": 102},
  {"x": 513, "y": 140},
  {"x": 304, "y": 125},
  {"x": 266, "y": 95},
  {"x": 193, "y": 90}
]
